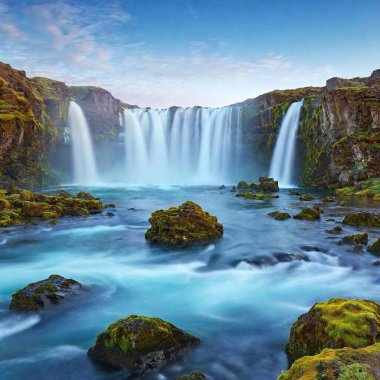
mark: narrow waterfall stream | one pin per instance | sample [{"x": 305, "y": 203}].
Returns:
[
  {"x": 85, "y": 171},
  {"x": 283, "y": 160},
  {"x": 182, "y": 146}
]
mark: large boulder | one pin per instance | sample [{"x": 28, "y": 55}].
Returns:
[
  {"x": 184, "y": 225},
  {"x": 336, "y": 323},
  {"x": 362, "y": 219},
  {"x": 38, "y": 295},
  {"x": 140, "y": 343},
  {"x": 340, "y": 364},
  {"x": 268, "y": 184}
]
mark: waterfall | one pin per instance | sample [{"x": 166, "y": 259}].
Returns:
[
  {"x": 85, "y": 171},
  {"x": 283, "y": 160},
  {"x": 182, "y": 145}
]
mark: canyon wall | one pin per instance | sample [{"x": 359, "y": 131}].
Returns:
[{"x": 338, "y": 141}]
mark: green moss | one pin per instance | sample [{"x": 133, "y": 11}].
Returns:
[
  {"x": 47, "y": 287},
  {"x": 362, "y": 219},
  {"x": 336, "y": 364},
  {"x": 374, "y": 248},
  {"x": 183, "y": 225},
  {"x": 306, "y": 197},
  {"x": 195, "y": 375},
  {"x": 254, "y": 196},
  {"x": 345, "y": 191},
  {"x": 309, "y": 213},
  {"x": 278, "y": 215},
  {"x": 356, "y": 239},
  {"x": 337, "y": 323}
]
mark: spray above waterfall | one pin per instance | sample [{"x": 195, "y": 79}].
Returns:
[
  {"x": 182, "y": 146},
  {"x": 283, "y": 160},
  {"x": 85, "y": 171}
]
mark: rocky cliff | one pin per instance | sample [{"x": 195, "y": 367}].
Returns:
[
  {"x": 338, "y": 140},
  {"x": 339, "y": 135}
]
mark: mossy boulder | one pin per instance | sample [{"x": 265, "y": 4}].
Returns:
[
  {"x": 195, "y": 375},
  {"x": 328, "y": 199},
  {"x": 309, "y": 213},
  {"x": 306, "y": 197},
  {"x": 279, "y": 215},
  {"x": 141, "y": 343},
  {"x": 182, "y": 226},
  {"x": 367, "y": 219},
  {"x": 355, "y": 239},
  {"x": 336, "y": 323},
  {"x": 268, "y": 184},
  {"x": 374, "y": 248},
  {"x": 337, "y": 364},
  {"x": 38, "y": 295}
]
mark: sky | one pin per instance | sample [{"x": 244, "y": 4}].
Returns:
[{"x": 160, "y": 53}]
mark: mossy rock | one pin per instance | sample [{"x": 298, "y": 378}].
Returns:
[
  {"x": 306, "y": 197},
  {"x": 309, "y": 213},
  {"x": 345, "y": 191},
  {"x": 141, "y": 343},
  {"x": 195, "y": 375},
  {"x": 255, "y": 196},
  {"x": 38, "y": 295},
  {"x": 328, "y": 199},
  {"x": 335, "y": 230},
  {"x": 374, "y": 248},
  {"x": 279, "y": 215},
  {"x": 367, "y": 219},
  {"x": 182, "y": 226},
  {"x": 336, "y": 323},
  {"x": 268, "y": 184},
  {"x": 337, "y": 364},
  {"x": 355, "y": 239}
]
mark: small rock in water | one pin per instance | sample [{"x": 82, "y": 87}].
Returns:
[
  {"x": 38, "y": 295},
  {"x": 328, "y": 198},
  {"x": 196, "y": 375},
  {"x": 110, "y": 205},
  {"x": 359, "y": 248},
  {"x": 374, "y": 248},
  {"x": 306, "y": 197},
  {"x": 222, "y": 187},
  {"x": 288, "y": 257},
  {"x": 376, "y": 263},
  {"x": 309, "y": 248},
  {"x": 141, "y": 343},
  {"x": 335, "y": 230},
  {"x": 309, "y": 213},
  {"x": 110, "y": 214},
  {"x": 293, "y": 192},
  {"x": 279, "y": 215},
  {"x": 355, "y": 239}
]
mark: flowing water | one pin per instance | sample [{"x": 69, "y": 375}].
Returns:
[
  {"x": 241, "y": 312},
  {"x": 283, "y": 160},
  {"x": 182, "y": 145},
  {"x": 84, "y": 163}
]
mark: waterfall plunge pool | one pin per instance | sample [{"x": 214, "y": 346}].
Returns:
[{"x": 241, "y": 313}]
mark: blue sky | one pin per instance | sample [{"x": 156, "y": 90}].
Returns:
[{"x": 160, "y": 53}]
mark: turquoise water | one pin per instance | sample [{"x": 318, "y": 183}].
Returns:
[{"x": 242, "y": 313}]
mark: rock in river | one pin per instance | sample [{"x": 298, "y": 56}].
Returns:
[
  {"x": 362, "y": 219},
  {"x": 38, "y": 295},
  {"x": 184, "y": 225},
  {"x": 336, "y": 323},
  {"x": 140, "y": 343}
]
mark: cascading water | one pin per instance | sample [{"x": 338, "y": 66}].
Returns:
[
  {"x": 283, "y": 159},
  {"x": 85, "y": 171},
  {"x": 182, "y": 146}
]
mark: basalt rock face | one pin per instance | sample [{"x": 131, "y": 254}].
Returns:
[
  {"x": 25, "y": 131},
  {"x": 339, "y": 135}
]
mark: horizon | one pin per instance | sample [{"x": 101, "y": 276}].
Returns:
[{"x": 160, "y": 54}]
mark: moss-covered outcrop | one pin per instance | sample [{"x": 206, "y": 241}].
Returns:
[
  {"x": 255, "y": 196},
  {"x": 266, "y": 185},
  {"x": 279, "y": 215},
  {"x": 38, "y": 295},
  {"x": 361, "y": 238},
  {"x": 196, "y": 375},
  {"x": 309, "y": 213},
  {"x": 183, "y": 225},
  {"x": 18, "y": 206},
  {"x": 337, "y": 364},
  {"x": 374, "y": 248},
  {"x": 336, "y": 323},
  {"x": 306, "y": 198},
  {"x": 367, "y": 219},
  {"x": 141, "y": 343}
]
